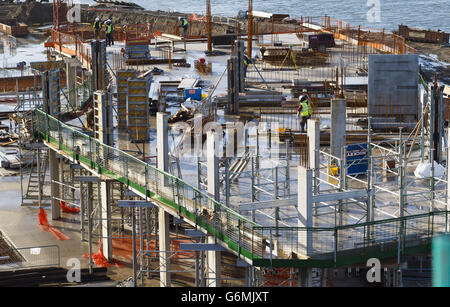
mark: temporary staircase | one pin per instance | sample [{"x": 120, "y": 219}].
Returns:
[{"x": 37, "y": 174}]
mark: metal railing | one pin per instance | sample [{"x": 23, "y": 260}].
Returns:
[
  {"x": 239, "y": 234},
  {"x": 29, "y": 257},
  {"x": 351, "y": 243},
  {"x": 225, "y": 224}
]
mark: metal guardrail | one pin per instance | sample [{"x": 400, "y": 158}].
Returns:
[
  {"x": 29, "y": 257},
  {"x": 343, "y": 244},
  {"x": 163, "y": 188},
  {"x": 354, "y": 243}
]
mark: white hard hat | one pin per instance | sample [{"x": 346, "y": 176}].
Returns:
[{"x": 97, "y": 19}]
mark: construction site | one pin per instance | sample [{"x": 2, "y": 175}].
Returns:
[{"x": 161, "y": 156}]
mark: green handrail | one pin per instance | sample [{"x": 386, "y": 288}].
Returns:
[
  {"x": 240, "y": 234},
  {"x": 161, "y": 186}
]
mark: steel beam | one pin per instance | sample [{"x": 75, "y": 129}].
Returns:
[
  {"x": 194, "y": 233},
  {"x": 135, "y": 204},
  {"x": 87, "y": 178},
  {"x": 201, "y": 247}
]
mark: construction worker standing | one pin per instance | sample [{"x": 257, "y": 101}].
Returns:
[
  {"x": 184, "y": 24},
  {"x": 109, "y": 33},
  {"x": 246, "y": 62},
  {"x": 304, "y": 110},
  {"x": 97, "y": 28}
]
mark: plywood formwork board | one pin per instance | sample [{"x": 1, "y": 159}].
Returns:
[
  {"x": 122, "y": 92},
  {"x": 138, "y": 103}
]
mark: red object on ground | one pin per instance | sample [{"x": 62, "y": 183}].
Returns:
[
  {"x": 100, "y": 259},
  {"x": 67, "y": 209},
  {"x": 47, "y": 227}
]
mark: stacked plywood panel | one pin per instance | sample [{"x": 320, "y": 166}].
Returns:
[
  {"x": 122, "y": 92},
  {"x": 138, "y": 113}
]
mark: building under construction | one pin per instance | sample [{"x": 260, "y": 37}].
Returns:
[{"x": 166, "y": 159}]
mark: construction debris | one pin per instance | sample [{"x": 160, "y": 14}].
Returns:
[
  {"x": 183, "y": 114},
  {"x": 202, "y": 67}
]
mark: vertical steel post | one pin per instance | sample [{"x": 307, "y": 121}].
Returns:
[
  {"x": 253, "y": 188},
  {"x": 82, "y": 210},
  {"x": 277, "y": 209},
  {"x": 133, "y": 226},
  {"x": 39, "y": 177},
  {"x": 89, "y": 203},
  {"x": 197, "y": 267}
]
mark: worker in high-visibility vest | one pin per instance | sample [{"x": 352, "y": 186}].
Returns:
[
  {"x": 304, "y": 110},
  {"x": 184, "y": 24},
  {"x": 109, "y": 33},
  {"x": 97, "y": 28},
  {"x": 246, "y": 62}
]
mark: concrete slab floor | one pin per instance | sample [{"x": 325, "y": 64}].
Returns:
[{"x": 21, "y": 226}]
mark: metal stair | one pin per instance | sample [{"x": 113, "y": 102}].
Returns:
[{"x": 31, "y": 196}]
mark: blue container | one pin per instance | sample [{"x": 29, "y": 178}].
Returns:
[
  {"x": 193, "y": 93},
  {"x": 357, "y": 160}
]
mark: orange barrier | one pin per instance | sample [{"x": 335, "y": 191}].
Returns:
[
  {"x": 122, "y": 247},
  {"x": 196, "y": 18},
  {"x": 48, "y": 228},
  {"x": 67, "y": 209},
  {"x": 280, "y": 277},
  {"x": 100, "y": 259}
]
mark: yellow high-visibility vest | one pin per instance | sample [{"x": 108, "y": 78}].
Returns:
[
  {"x": 98, "y": 25},
  {"x": 306, "y": 109}
]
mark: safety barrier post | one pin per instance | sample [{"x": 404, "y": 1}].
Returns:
[
  {"x": 73, "y": 146},
  {"x": 47, "y": 128},
  {"x": 335, "y": 246},
  {"x": 97, "y": 151},
  {"x": 90, "y": 153},
  {"x": 59, "y": 137}
]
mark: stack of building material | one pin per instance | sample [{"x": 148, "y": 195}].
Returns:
[
  {"x": 256, "y": 98},
  {"x": 202, "y": 67},
  {"x": 103, "y": 117},
  {"x": 122, "y": 92},
  {"x": 136, "y": 51},
  {"x": 138, "y": 113},
  {"x": 187, "y": 83},
  {"x": 356, "y": 98},
  {"x": 47, "y": 65},
  {"x": 13, "y": 28},
  {"x": 285, "y": 56}
]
